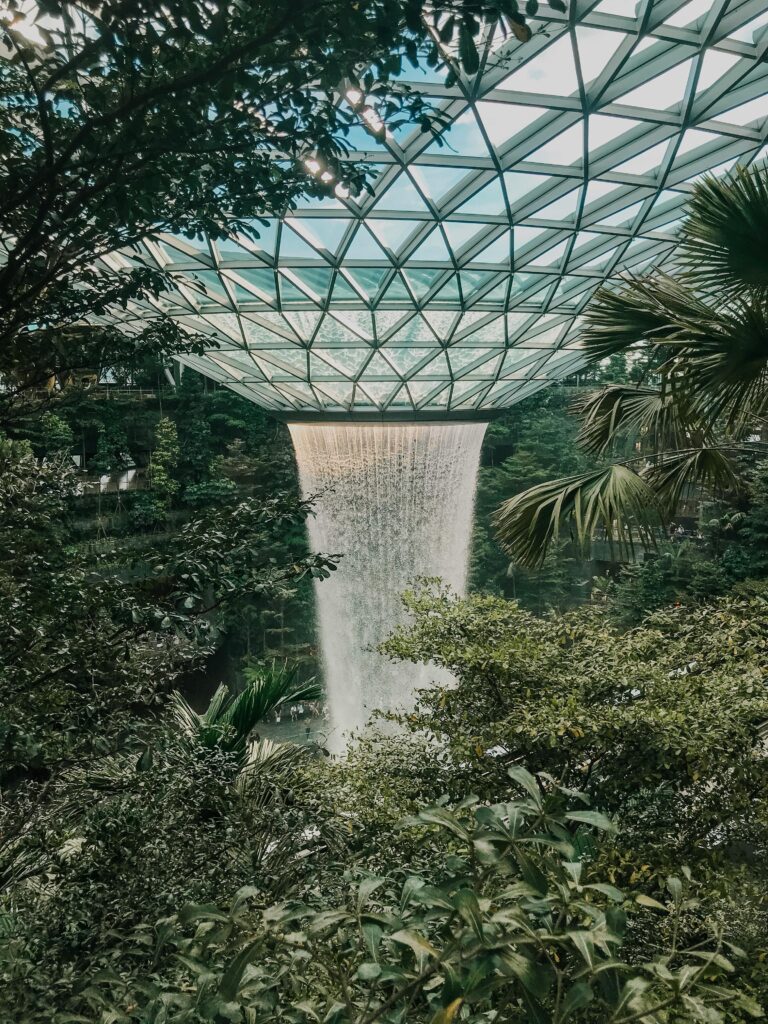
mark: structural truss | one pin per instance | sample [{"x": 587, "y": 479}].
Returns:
[{"x": 457, "y": 286}]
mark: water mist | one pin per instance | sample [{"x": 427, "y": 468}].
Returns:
[{"x": 397, "y": 502}]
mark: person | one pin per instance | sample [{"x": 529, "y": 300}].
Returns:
[
  {"x": 293, "y": 712},
  {"x": 301, "y": 710}
]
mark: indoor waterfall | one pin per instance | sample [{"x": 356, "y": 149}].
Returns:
[{"x": 396, "y": 499}]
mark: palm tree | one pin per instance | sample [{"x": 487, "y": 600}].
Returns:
[
  {"x": 229, "y": 720},
  {"x": 695, "y": 417}
]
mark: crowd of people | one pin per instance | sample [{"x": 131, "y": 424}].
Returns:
[{"x": 304, "y": 709}]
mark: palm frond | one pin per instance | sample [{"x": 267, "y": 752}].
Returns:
[
  {"x": 652, "y": 309},
  {"x": 615, "y": 498},
  {"x": 722, "y": 366},
  {"x": 678, "y": 475},
  {"x": 268, "y": 764},
  {"x": 723, "y": 235},
  {"x": 660, "y": 416},
  {"x": 712, "y": 358},
  {"x": 201, "y": 730},
  {"x": 229, "y": 720}
]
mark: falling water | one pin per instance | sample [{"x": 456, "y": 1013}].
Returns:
[{"x": 396, "y": 501}]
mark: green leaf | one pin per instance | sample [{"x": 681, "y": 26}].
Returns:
[
  {"x": 367, "y": 887},
  {"x": 594, "y": 818},
  {"x": 576, "y": 998},
  {"x": 229, "y": 985},
  {"x": 368, "y": 971},
  {"x": 648, "y": 901},
  {"x": 466, "y": 903},
  {"x": 416, "y": 942},
  {"x": 607, "y": 890},
  {"x": 524, "y": 778},
  {"x": 536, "y": 977}
]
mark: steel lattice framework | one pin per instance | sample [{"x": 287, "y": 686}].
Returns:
[{"x": 457, "y": 286}]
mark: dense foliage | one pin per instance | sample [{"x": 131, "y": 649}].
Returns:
[{"x": 160, "y": 862}]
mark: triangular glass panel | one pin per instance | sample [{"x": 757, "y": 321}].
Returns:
[
  {"x": 474, "y": 280},
  {"x": 333, "y": 331},
  {"x": 497, "y": 252},
  {"x": 378, "y": 367},
  {"x": 459, "y": 233},
  {"x": 597, "y": 190},
  {"x": 487, "y": 369},
  {"x": 463, "y": 137},
  {"x": 647, "y": 163},
  {"x": 396, "y": 292},
  {"x": 462, "y": 391},
  {"x": 450, "y": 291},
  {"x": 623, "y": 218},
  {"x": 551, "y": 72},
  {"x": 467, "y": 322},
  {"x": 339, "y": 394},
  {"x": 563, "y": 209},
  {"x": 437, "y": 182},
  {"x": 461, "y": 359},
  {"x": 524, "y": 237},
  {"x": 432, "y": 250},
  {"x": 441, "y": 321},
  {"x": 293, "y": 246},
  {"x": 404, "y": 360},
  {"x": 291, "y": 359},
  {"x": 419, "y": 390},
  {"x": 603, "y": 129},
  {"x": 421, "y": 280},
  {"x": 714, "y": 66},
  {"x": 416, "y": 330},
  {"x": 662, "y": 92},
  {"x": 357, "y": 320},
  {"x": 552, "y": 257},
  {"x": 364, "y": 246},
  {"x": 303, "y": 323},
  {"x": 502, "y": 122},
  {"x": 252, "y": 284},
  {"x": 519, "y": 187},
  {"x": 689, "y": 12},
  {"x": 321, "y": 232},
  {"x": 746, "y": 113},
  {"x": 393, "y": 233},
  {"x": 695, "y": 139},
  {"x": 367, "y": 279},
  {"x": 314, "y": 280},
  {"x": 754, "y": 27},
  {"x": 257, "y": 334},
  {"x": 488, "y": 200},
  {"x": 343, "y": 291},
  {"x": 386, "y": 319},
  {"x": 596, "y": 50},
  {"x": 348, "y": 361},
  {"x": 263, "y": 239},
  {"x": 402, "y": 195},
  {"x": 378, "y": 393},
  {"x": 565, "y": 149},
  {"x": 288, "y": 290}
]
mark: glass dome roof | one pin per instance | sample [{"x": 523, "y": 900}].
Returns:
[{"x": 457, "y": 286}]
